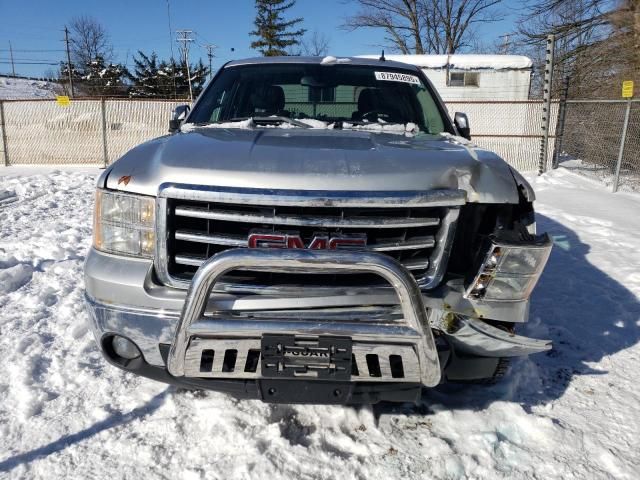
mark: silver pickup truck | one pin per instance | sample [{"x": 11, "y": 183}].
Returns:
[{"x": 314, "y": 230}]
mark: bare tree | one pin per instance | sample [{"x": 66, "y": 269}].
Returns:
[
  {"x": 596, "y": 43},
  {"x": 449, "y": 24},
  {"x": 89, "y": 41},
  {"x": 317, "y": 45},
  {"x": 401, "y": 20},
  {"x": 425, "y": 26}
]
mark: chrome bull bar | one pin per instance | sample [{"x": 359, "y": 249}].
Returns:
[{"x": 414, "y": 331}]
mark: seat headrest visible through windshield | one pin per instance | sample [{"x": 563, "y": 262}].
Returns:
[
  {"x": 268, "y": 100},
  {"x": 368, "y": 100}
]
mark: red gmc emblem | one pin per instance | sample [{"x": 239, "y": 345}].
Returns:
[{"x": 318, "y": 242}]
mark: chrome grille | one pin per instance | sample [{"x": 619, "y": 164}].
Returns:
[{"x": 414, "y": 228}]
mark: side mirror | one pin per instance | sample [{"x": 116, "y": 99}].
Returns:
[
  {"x": 177, "y": 117},
  {"x": 461, "y": 121}
]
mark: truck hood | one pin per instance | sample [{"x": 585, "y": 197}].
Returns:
[{"x": 309, "y": 159}]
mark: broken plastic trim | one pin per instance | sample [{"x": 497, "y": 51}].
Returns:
[{"x": 475, "y": 337}]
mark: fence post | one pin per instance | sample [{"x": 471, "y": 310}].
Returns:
[
  {"x": 546, "y": 119},
  {"x": 105, "y": 151},
  {"x": 3, "y": 127},
  {"x": 562, "y": 113},
  {"x": 622, "y": 142}
]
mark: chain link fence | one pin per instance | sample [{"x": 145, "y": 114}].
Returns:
[
  {"x": 86, "y": 132},
  {"x": 97, "y": 132},
  {"x": 512, "y": 129},
  {"x": 590, "y": 137}
]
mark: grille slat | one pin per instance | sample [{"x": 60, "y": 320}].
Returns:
[
  {"x": 308, "y": 221},
  {"x": 420, "y": 263},
  {"x": 226, "y": 240}
]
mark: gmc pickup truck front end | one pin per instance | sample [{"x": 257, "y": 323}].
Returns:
[{"x": 314, "y": 231}]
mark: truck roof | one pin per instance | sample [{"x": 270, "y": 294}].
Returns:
[{"x": 327, "y": 60}]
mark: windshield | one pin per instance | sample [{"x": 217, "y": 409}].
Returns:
[{"x": 314, "y": 95}]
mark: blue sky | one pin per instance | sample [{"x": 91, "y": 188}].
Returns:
[{"x": 142, "y": 24}]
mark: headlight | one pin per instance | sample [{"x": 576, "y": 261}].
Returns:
[
  {"x": 124, "y": 224},
  {"x": 510, "y": 269}
]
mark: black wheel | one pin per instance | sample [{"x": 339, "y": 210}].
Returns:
[{"x": 501, "y": 370}]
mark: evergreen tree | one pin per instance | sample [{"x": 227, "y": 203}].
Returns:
[
  {"x": 169, "y": 70},
  {"x": 199, "y": 73},
  {"x": 145, "y": 77},
  {"x": 169, "y": 81},
  {"x": 64, "y": 75},
  {"x": 165, "y": 79},
  {"x": 104, "y": 79},
  {"x": 272, "y": 30}
]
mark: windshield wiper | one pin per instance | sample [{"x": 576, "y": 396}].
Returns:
[{"x": 271, "y": 120}]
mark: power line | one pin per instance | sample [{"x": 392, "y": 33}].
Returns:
[
  {"x": 26, "y": 63},
  {"x": 20, "y": 59},
  {"x": 28, "y": 50}
]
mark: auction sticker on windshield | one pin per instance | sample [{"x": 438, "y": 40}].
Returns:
[{"x": 397, "y": 77}]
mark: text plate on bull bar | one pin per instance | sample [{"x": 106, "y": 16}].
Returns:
[{"x": 323, "y": 357}]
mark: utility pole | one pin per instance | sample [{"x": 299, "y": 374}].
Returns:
[
  {"x": 184, "y": 38},
  {"x": 173, "y": 62},
  {"x": 66, "y": 40},
  {"x": 13, "y": 66},
  {"x": 210, "y": 49},
  {"x": 546, "y": 107},
  {"x": 506, "y": 43}
]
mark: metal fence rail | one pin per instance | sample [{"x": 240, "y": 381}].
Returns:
[
  {"x": 98, "y": 132},
  {"x": 591, "y": 137}
]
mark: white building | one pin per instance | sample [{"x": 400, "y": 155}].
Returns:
[{"x": 474, "y": 77}]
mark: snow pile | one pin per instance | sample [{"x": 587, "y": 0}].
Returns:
[
  {"x": 7, "y": 196},
  {"x": 313, "y": 123},
  {"x": 397, "y": 128},
  {"x": 242, "y": 124},
  {"x": 249, "y": 123},
  {"x": 629, "y": 179},
  {"x": 462, "y": 62},
  {"x": 329, "y": 60},
  {"x": 23, "y": 89},
  {"x": 573, "y": 413}
]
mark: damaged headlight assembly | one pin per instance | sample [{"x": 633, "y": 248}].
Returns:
[
  {"x": 124, "y": 224},
  {"x": 509, "y": 267}
]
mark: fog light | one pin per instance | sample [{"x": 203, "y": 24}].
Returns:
[{"x": 124, "y": 348}]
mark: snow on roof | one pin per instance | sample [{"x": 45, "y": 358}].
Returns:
[{"x": 463, "y": 62}]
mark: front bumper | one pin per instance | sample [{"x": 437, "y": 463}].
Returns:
[{"x": 172, "y": 340}]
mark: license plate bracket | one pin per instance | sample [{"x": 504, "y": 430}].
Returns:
[{"x": 323, "y": 358}]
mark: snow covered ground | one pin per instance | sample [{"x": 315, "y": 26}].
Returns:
[
  {"x": 629, "y": 175},
  {"x": 22, "y": 88},
  {"x": 574, "y": 413}
]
